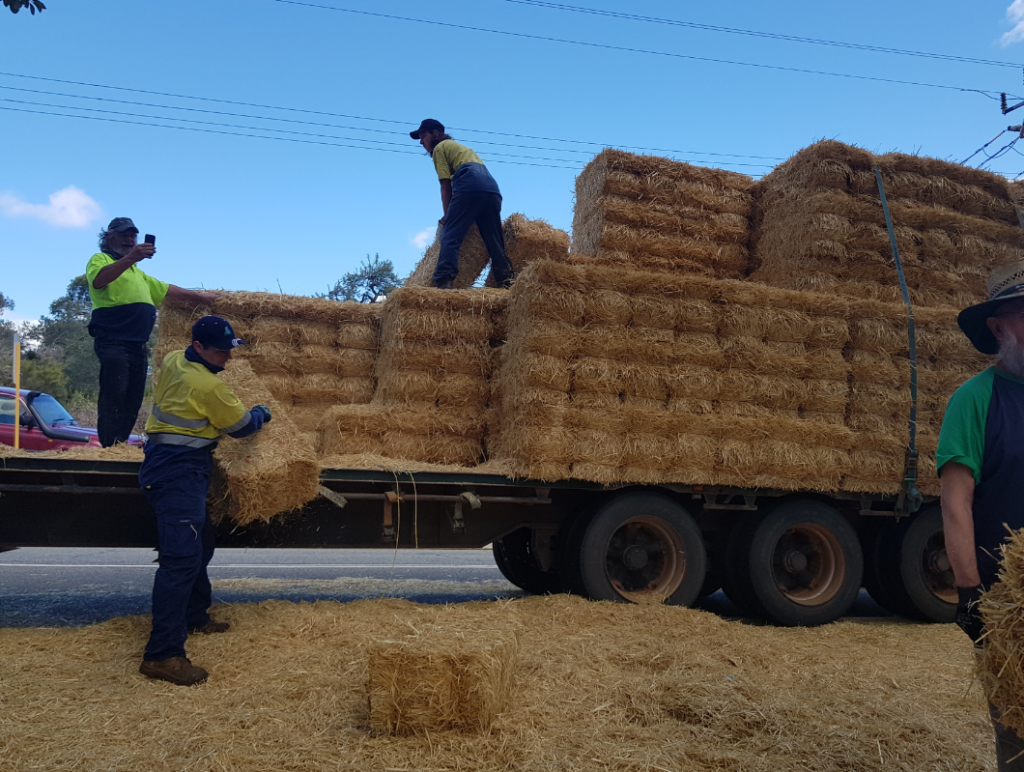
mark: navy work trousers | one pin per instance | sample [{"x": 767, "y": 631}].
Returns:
[
  {"x": 466, "y": 208},
  {"x": 176, "y": 486},
  {"x": 123, "y": 368}
]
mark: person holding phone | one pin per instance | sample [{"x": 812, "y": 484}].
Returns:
[
  {"x": 469, "y": 195},
  {"x": 124, "y": 300}
]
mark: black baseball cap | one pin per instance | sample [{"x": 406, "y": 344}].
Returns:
[
  {"x": 216, "y": 332},
  {"x": 122, "y": 224},
  {"x": 428, "y": 125}
]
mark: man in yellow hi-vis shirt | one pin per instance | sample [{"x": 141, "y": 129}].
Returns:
[
  {"x": 124, "y": 301},
  {"x": 192, "y": 409}
]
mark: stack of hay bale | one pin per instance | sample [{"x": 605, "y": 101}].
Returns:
[
  {"x": 648, "y": 212},
  {"x": 433, "y": 372},
  {"x": 820, "y": 226},
  {"x": 618, "y": 375}
]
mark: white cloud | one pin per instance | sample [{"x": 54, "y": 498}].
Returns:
[
  {"x": 425, "y": 237},
  {"x": 1014, "y": 15},
  {"x": 68, "y": 208}
]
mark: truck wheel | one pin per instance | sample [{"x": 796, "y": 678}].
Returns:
[
  {"x": 514, "y": 557},
  {"x": 806, "y": 564},
  {"x": 640, "y": 547},
  {"x": 913, "y": 570}
]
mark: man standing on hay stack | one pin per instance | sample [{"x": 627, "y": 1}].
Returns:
[
  {"x": 981, "y": 462},
  {"x": 192, "y": 409},
  {"x": 469, "y": 194},
  {"x": 124, "y": 301}
]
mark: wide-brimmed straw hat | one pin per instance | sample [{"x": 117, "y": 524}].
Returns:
[{"x": 1006, "y": 283}]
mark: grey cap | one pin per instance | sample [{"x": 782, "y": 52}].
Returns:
[{"x": 121, "y": 224}]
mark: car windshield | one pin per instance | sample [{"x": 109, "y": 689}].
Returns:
[{"x": 52, "y": 412}]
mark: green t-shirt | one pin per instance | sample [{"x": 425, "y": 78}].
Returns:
[
  {"x": 449, "y": 155},
  {"x": 962, "y": 437},
  {"x": 132, "y": 286}
]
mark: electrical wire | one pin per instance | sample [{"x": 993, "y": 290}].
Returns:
[
  {"x": 610, "y": 47},
  {"x": 756, "y": 33},
  {"x": 372, "y": 119},
  {"x": 587, "y": 153}
]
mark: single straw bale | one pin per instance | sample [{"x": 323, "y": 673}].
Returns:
[
  {"x": 527, "y": 241},
  {"x": 411, "y": 386},
  {"x": 700, "y": 348},
  {"x": 464, "y": 358},
  {"x": 825, "y": 396},
  {"x": 359, "y": 336},
  {"x": 597, "y": 401},
  {"x": 419, "y": 314},
  {"x": 255, "y": 305},
  {"x": 473, "y": 259},
  {"x": 342, "y": 362},
  {"x": 785, "y": 465},
  {"x": 609, "y": 307},
  {"x": 597, "y": 375},
  {"x": 438, "y": 681},
  {"x": 271, "y": 472},
  {"x": 653, "y": 311}
]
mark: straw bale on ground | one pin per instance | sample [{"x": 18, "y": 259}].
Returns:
[
  {"x": 650, "y": 212},
  {"x": 601, "y": 686},
  {"x": 820, "y": 226},
  {"x": 473, "y": 258},
  {"x": 273, "y": 471},
  {"x": 435, "y": 681}
]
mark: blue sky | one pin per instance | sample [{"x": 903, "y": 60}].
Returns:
[{"x": 265, "y": 214}]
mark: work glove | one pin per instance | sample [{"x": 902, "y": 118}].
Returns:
[
  {"x": 264, "y": 410},
  {"x": 968, "y": 616}
]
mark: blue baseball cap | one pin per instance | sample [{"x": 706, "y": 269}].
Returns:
[{"x": 216, "y": 332}]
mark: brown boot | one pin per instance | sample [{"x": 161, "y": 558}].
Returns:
[
  {"x": 177, "y": 670},
  {"x": 212, "y": 627},
  {"x": 443, "y": 285}
]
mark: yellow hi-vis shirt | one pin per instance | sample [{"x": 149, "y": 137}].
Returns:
[{"x": 192, "y": 406}]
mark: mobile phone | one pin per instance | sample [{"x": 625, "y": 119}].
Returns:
[{"x": 150, "y": 239}]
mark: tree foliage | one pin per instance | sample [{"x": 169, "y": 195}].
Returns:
[
  {"x": 62, "y": 337},
  {"x": 374, "y": 280},
  {"x": 32, "y": 5}
]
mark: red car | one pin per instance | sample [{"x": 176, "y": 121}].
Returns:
[{"x": 45, "y": 424}]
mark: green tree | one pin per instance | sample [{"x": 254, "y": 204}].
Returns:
[
  {"x": 44, "y": 375},
  {"x": 374, "y": 280},
  {"x": 63, "y": 337},
  {"x": 32, "y": 5}
]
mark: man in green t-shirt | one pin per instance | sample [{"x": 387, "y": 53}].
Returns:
[
  {"x": 980, "y": 459},
  {"x": 469, "y": 195},
  {"x": 124, "y": 301}
]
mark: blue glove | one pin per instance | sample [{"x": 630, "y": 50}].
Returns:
[{"x": 264, "y": 410}]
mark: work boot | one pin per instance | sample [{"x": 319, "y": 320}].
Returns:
[
  {"x": 211, "y": 627},
  {"x": 443, "y": 285},
  {"x": 177, "y": 670}
]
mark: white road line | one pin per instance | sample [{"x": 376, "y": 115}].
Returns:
[{"x": 241, "y": 565}]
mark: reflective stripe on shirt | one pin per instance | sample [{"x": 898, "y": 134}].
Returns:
[
  {"x": 181, "y": 423},
  {"x": 240, "y": 424},
  {"x": 180, "y": 439}
]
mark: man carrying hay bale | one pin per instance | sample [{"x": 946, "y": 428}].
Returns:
[
  {"x": 193, "y": 408},
  {"x": 981, "y": 464},
  {"x": 124, "y": 301},
  {"x": 469, "y": 195}
]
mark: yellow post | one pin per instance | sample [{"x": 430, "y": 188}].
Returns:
[{"x": 17, "y": 391}]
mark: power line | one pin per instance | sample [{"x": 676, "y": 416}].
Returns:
[
  {"x": 610, "y": 47},
  {"x": 756, "y": 33},
  {"x": 317, "y": 123},
  {"x": 256, "y": 136},
  {"x": 372, "y": 119}
]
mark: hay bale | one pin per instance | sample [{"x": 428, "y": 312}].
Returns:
[
  {"x": 271, "y": 472},
  {"x": 651, "y": 212},
  {"x": 434, "y": 682},
  {"x": 820, "y": 226},
  {"x": 1001, "y": 663},
  {"x": 527, "y": 241},
  {"x": 473, "y": 258}
]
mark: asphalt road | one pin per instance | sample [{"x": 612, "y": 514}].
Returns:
[{"x": 46, "y": 587}]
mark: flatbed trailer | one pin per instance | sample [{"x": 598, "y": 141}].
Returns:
[{"x": 793, "y": 558}]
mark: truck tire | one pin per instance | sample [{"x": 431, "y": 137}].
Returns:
[
  {"x": 806, "y": 564},
  {"x": 641, "y": 546},
  {"x": 915, "y": 577},
  {"x": 514, "y": 557},
  {"x": 881, "y": 546}
]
